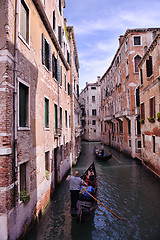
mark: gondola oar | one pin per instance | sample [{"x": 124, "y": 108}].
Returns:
[{"x": 105, "y": 206}]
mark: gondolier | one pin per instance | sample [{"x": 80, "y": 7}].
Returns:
[{"x": 75, "y": 183}]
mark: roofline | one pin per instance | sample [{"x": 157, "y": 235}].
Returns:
[
  {"x": 123, "y": 40},
  {"x": 50, "y": 31}
]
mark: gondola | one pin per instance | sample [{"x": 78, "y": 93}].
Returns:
[
  {"x": 86, "y": 206},
  {"x": 98, "y": 154}
]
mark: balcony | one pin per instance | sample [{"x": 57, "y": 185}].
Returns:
[{"x": 58, "y": 132}]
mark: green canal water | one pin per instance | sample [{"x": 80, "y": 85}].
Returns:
[{"x": 125, "y": 186}]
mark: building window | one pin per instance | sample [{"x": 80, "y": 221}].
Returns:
[
  {"x": 69, "y": 89},
  {"x": 65, "y": 83},
  {"x": 60, "y": 35},
  {"x": 69, "y": 121},
  {"x": 55, "y": 117},
  {"x": 154, "y": 144},
  {"x": 152, "y": 107},
  {"x": 127, "y": 68},
  {"x": 138, "y": 126},
  {"x": 149, "y": 66},
  {"x": 46, "y": 109},
  {"x": 54, "y": 67},
  {"x": 129, "y": 126},
  {"x": 93, "y": 99},
  {"x": 93, "y": 88},
  {"x": 47, "y": 164},
  {"x": 137, "y": 40},
  {"x": 46, "y": 53},
  {"x": 60, "y": 7},
  {"x": 23, "y": 105},
  {"x": 60, "y": 117},
  {"x": 93, "y": 122},
  {"x": 137, "y": 59},
  {"x": 143, "y": 137},
  {"x": 141, "y": 76},
  {"x": 23, "y": 184},
  {"x": 66, "y": 123},
  {"x": 94, "y": 112},
  {"x": 142, "y": 111},
  {"x": 24, "y": 21},
  {"x": 129, "y": 143},
  {"x": 54, "y": 21},
  {"x": 68, "y": 57},
  {"x": 139, "y": 144},
  {"x": 137, "y": 97},
  {"x": 94, "y": 130}
]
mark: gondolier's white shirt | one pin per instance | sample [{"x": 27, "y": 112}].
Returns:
[{"x": 75, "y": 182}]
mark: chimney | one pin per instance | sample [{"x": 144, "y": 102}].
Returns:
[
  {"x": 86, "y": 83},
  {"x": 98, "y": 78},
  {"x": 120, "y": 39}
]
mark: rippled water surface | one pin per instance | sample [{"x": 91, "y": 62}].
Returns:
[{"x": 125, "y": 186}]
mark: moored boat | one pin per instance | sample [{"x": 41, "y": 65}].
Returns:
[{"x": 86, "y": 204}]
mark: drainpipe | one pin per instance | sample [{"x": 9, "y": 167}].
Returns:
[{"x": 15, "y": 85}]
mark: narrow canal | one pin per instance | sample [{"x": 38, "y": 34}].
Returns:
[{"x": 125, "y": 186}]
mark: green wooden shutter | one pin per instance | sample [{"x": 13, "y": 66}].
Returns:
[{"x": 49, "y": 57}]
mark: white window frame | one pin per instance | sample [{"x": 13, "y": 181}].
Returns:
[
  {"x": 20, "y": 36},
  {"x": 140, "y": 40},
  {"x": 28, "y": 112}
]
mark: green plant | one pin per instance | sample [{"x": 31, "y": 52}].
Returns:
[
  {"x": 151, "y": 119},
  {"x": 47, "y": 174},
  {"x": 24, "y": 197},
  {"x": 141, "y": 121},
  {"x": 158, "y": 116}
]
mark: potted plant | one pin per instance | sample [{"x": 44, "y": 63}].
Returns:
[
  {"x": 158, "y": 116},
  {"x": 151, "y": 119},
  {"x": 141, "y": 121},
  {"x": 24, "y": 197}
]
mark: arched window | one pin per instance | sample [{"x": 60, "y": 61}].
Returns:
[{"x": 137, "y": 59}]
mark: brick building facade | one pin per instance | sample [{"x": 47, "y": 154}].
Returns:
[
  {"x": 120, "y": 103},
  {"x": 38, "y": 142},
  {"x": 150, "y": 105}
]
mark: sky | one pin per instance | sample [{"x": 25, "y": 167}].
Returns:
[{"x": 98, "y": 25}]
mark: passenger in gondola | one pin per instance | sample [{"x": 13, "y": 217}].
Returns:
[
  {"x": 89, "y": 189},
  {"x": 75, "y": 183}
]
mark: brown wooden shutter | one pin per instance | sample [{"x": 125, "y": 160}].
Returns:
[{"x": 43, "y": 49}]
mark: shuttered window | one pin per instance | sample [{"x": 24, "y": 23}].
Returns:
[
  {"x": 46, "y": 109},
  {"x": 152, "y": 107},
  {"x": 149, "y": 66},
  {"x": 24, "y": 21},
  {"x": 46, "y": 53},
  {"x": 60, "y": 117},
  {"x": 55, "y": 117},
  {"x": 54, "y": 67},
  {"x": 68, "y": 57},
  {"x": 23, "y": 105},
  {"x": 47, "y": 165},
  {"x": 142, "y": 111}
]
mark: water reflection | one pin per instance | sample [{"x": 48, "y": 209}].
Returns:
[{"x": 126, "y": 187}]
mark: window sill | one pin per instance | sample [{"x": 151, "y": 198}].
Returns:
[
  {"x": 24, "y": 41},
  {"x": 47, "y": 129},
  {"x": 24, "y": 128},
  {"x": 149, "y": 78}
]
